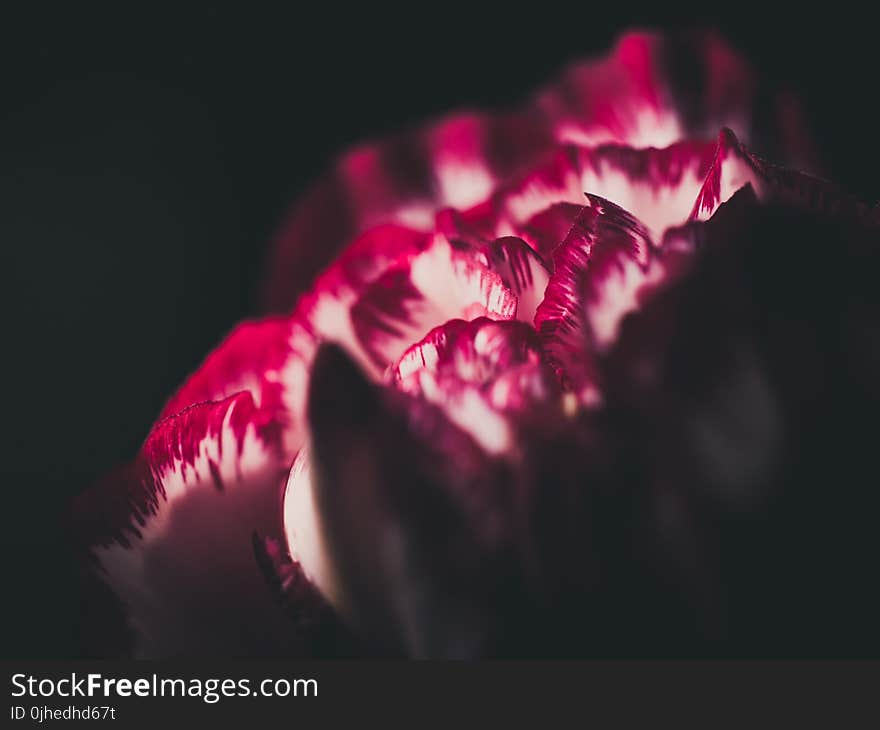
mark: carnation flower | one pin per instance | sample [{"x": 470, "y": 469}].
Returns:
[{"x": 522, "y": 370}]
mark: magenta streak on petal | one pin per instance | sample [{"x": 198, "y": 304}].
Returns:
[
  {"x": 247, "y": 360},
  {"x": 171, "y": 533},
  {"x": 406, "y": 302},
  {"x": 661, "y": 184},
  {"x": 476, "y": 351},
  {"x": 734, "y": 167},
  {"x": 631, "y": 97},
  {"x": 383, "y": 313},
  {"x": 523, "y": 272},
  {"x": 544, "y": 231},
  {"x": 403, "y": 179},
  {"x": 475, "y": 226},
  {"x": 606, "y": 247},
  {"x": 115, "y": 509},
  {"x": 614, "y": 99},
  {"x": 480, "y": 372}
]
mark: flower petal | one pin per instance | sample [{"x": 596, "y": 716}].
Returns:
[
  {"x": 403, "y": 179},
  {"x": 440, "y": 284},
  {"x": 634, "y": 97},
  {"x": 659, "y": 184},
  {"x": 483, "y": 374},
  {"x": 402, "y": 516},
  {"x": 544, "y": 231},
  {"x": 734, "y": 167},
  {"x": 654, "y": 89},
  {"x": 172, "y": 533},
  {"x": 523, "y": 272},
  {"x": 599, "y": 269}
]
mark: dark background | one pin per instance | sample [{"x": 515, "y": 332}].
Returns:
[{"x": 146, "y": 159}]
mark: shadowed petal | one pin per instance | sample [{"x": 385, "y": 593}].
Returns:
[
  {"x": 172, "y": 533},
  {"x": 401, "y": 517}
]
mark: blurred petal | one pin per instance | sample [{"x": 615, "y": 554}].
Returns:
[
  {"x": 655, "y": 88},
  {"x": 172, "y": 533},
  {"x": 401, "y": 516},
  {"x": 403, "y": 179}
]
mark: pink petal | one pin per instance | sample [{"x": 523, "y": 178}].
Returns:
[
  {"x": 523, "y": 272},
  {"x": 172, "y": 533},
  {"x": 544, "y": 231},
  {"x": 440, "y": 284},
  {"x": 325, "y": 309},
  {"x": 404, "y": 180},
  {"x": 633, "y": 97},
  {"x": 620, "y": 98},
  {"x": 250, "y": 359},
  {"x": 654, "y": 89},
  {"x": 734, "y": 167},
  {"x": 477, "y": 372},
  {"x": 475, "y": 226},
  {"x": 599, "y": 271},
  {"x": 659, "y": 185}
]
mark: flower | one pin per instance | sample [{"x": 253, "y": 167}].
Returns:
[{"x": 521, "y": 362}]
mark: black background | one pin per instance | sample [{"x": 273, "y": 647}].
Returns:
[{"x": 146, "y": 158}]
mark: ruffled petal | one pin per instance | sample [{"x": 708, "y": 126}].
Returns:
[
  {"x": 658, "y": 185},
  {"x": 172, "y": 533},
  {"x": 440, "y": 284},
  {"x": 249, "y": 359},
  {"x": 486, "y": 375},
  {"x": 634, "y": 97},
  {"x": 599, "y": 270}
]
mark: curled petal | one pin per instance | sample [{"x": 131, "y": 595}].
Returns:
[
  {"x": 734, "y": 167},
  {"x": 476, "y": 352},
  {"x": 659, "y": 185},
  {"x": 522, "y": 270},
  {"x": 544, "y": 231},
  {"x": 172, "y": 533},
  {"x": 407, "y": 301},
  {"x": 484, "y": 374},
  {"x": 599, "y": 269},
  {"x": 269, "y": 358}
]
